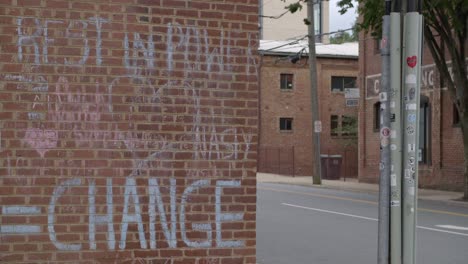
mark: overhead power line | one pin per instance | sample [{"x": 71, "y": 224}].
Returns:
[
  {"x": 275, "y": 17},
  {"x": 296, "y": 41}
]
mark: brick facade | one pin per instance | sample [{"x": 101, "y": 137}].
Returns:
[
  {"x": 443, "y": 168},
  {"x": 128, "y": 131},
  {"x": 294, "y": 148}
]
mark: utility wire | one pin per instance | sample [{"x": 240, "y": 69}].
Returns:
[
  {"x": 334, "y": 32},
  {"x": 296, "y": 41},
  {"x": 275, "y": 17},
  {"x": 287, "y": 44}
]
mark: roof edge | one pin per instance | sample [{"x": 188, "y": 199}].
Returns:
[{"x": 334, "y": 56}]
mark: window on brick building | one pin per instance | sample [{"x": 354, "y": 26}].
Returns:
[
  {"x": 286, "y": 81},
  {"x": 348, "y": 126},
  {"x": 334, "y": 125},
  {"x": 377, "y": 43},
  {"x": 339, "y": 83},
  {"x": 377, "y": 111},
  {"x": 456, "y": 117},
  {"x": 345, "y": 127},
  {"x": 286, "y": 124}
]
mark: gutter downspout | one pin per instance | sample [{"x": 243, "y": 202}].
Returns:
[{"x": 259, "y": 109}]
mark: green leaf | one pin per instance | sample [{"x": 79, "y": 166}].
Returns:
[
  {"x": 294, "y": 7},
  {"x": 344, "y": 5}
]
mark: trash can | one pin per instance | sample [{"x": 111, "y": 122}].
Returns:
[{"x": 331, "y": 166}]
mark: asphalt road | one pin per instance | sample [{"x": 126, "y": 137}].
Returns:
[{"x": 306, "y": 225}]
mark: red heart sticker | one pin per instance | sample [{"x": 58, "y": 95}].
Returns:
[{"x": 412, "y": 61}]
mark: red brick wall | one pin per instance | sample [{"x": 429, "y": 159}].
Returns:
[
  {"x": 334, "y": 103},
  {"x": 295, "y": 103},
  {"x": 128, "y": 131},
  {"x": 445, "y": 167}
]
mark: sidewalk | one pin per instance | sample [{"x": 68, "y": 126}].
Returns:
[{"x": 354, "y": 185}]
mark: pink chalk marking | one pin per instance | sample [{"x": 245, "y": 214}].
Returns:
[{"x": 41, "y": 140}]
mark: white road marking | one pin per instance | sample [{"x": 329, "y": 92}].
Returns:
[
  {"x": 358, "y": 201},
  {"x": 331, "y": 212},
  {"x": 371, "y": 219},
  {"x": 453, "y": 227},
  {"x": 443, "y": 231}
]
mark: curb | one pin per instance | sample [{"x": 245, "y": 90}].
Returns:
[{"x": 364, "y": 190}]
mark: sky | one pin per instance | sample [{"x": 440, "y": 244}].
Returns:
[{"x": 338, "y": 21}]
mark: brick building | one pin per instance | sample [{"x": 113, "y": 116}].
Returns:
[
  {"x": 285, "y": 103},
  {"x": 128, "y": 131},
  {"x": 441, "y": 151}
]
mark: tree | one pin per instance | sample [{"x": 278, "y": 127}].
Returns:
[
  {"x": 445, "y": 33},
  {"x": 343, "y": 37},
  {"x": 347, "y": 132}
]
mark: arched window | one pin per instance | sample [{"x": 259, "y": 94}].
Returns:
[
  {"x": 377, "y": 112},
  {"x": 424, "y": 131},
  {"x": 455, "y": 117}
]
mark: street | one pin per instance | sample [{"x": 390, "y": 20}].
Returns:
[{"x": 313, "y": 225}]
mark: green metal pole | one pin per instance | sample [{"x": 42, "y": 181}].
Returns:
[
  {"x": 411, "y": 93},
  {"x": 395, "y": 139}
]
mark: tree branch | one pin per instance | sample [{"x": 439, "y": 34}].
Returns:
[{"x": 438, "y": 55}]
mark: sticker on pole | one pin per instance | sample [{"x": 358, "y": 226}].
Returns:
[
  {"x": 407, "y": 174},
  {"x": 384, "y": 42},
  {"x": 318, "y": 126},
  {"x": 410, "y": 79},
  {"x": 393, "y": 180},
  {"x": 412, "y": 93},
  {"x": 385, "y": 132},
  {"x": 411, "y": 107},
  {"x": 383, "y": 97},
  {"x": 384, "y": 142},
  {"x": 412, "y": 61}
]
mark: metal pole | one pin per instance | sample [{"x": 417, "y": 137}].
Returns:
[
  {"x": 411, "y": 92},
  {"x": 385, "y": 134},
  {"x": 395, "y": 139},
  {"x": 293, "y": 161},
  {"x": 316, "y": 123},
  {"x": 279, "y": 160}
]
